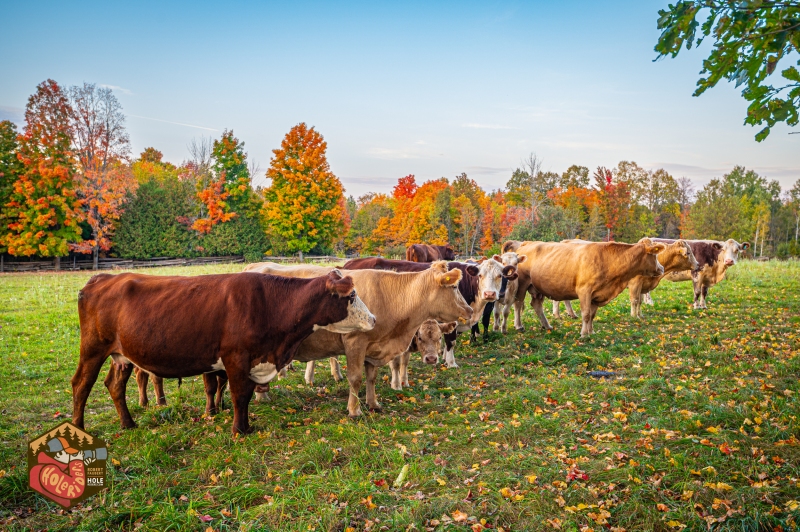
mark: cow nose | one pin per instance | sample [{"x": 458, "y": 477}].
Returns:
[
  {"x": 431, "y": 359},
  {"x": 729, "y": 262},
  {"x": 490, "y": 296}
]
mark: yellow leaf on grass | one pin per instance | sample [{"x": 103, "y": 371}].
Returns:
[
  {"x": 459, "y": 516},
  {"x": 531, "y": 478},
  {"x": 115, "y": 461}
]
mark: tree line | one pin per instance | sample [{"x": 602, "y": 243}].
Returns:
[{"x": 68, "y": 183}]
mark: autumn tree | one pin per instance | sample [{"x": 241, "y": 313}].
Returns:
[
  {"x": 302, "y": 205},
  {"x": 10, "y": 168},
  {"x": 43, "y": 213},
  {"x": 615, "y": 198},
  {"x": 229, "y": 160},
  {"x": 102, "y": 148}
]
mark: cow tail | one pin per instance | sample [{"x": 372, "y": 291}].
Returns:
[{"x": 180, "y": 381}]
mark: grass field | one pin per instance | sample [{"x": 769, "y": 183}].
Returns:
[{"x": 699, "y": 431}]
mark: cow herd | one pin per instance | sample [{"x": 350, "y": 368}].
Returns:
[{"x": 243, "y": 329}]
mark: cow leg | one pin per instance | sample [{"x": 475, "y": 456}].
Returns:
[
  {"x": 635, "y": 293},
  {"x": 697, "y": 293},
  {"x": 593, "y": 314},
  {"x": 85, "y": 376},
  {"x": 506, "y": 310},
  {"x": 354, "y": 378},
  {"x": 703, "y": 295},
  {"x": 647, "y": 299},
  {"x": 487, "y": 315},
  {"x": 141, "y": 383},
  {"x": 336, "y": 369},
  {"x": 222, "y": 383},
  {"x": 405, "y": 358},
  {"x": 210, "y": 385},
  {"x": 372, "y": 375},
  {"x": 536, "y": 303},
  {"x": 285, "y": 370},
  {"x": 570, "y": 310},
  {"x": 158, "y": 387},
  {"x": 242, "y": 388},
  {"x": 450, "y": 349},
  {"x": 310, "y": 373},
  {"x": 556, "y": 310},
  {"x": 116, "y": 382},
  {"x": 498, "y": 311},
  {"x": 586, "y": 314},
  {"x": 395, "y": 367},
  {"x": 473, "y": 333}
]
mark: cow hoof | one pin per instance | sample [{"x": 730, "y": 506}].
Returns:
[
  {"x": 355, "y": 416},
  {"x": 162, "y": 402},
  {"x": 452, "y": 365},
  {"x": 128, "y": 424},
  {"x": 377, "y": 409},
  {"x": 309, "y": 383},
  {"x": 246, "y": 430},
  {"x": 397, "y": 388},
  {"x": 143, "y": 404},
  {"x": 519, "y": 329}
]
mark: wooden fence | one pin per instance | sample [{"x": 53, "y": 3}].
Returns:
[{"x": 126, "y": 264}]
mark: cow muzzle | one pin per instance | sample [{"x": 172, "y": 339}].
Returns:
[
  {"x": 730, "y": 262},
  {"x": 490, "y": 296},
  {"x": 431, "y": 359}
]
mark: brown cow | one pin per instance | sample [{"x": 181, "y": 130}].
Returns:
[
  {"x": 249, "y": 325},
  {"x": 677, "y": 256},
  {"x": 428, "y": 253},
  {"x": 428, "y": 342},
  {"x": 401, "y": 302},
  {"x": 593, "y": 272},
  {"x": 714, "y": 258}
]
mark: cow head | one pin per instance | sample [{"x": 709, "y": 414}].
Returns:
[
  {"x": 358, "y": 317},
  {"x": 447, "y": 303},
  {"x": 686, "y": 257},
  {"x": 429, "y": 339},
  {"x": 730, "y": 251},
  {"x": 649, "y": 265},
  {"x": 490, "y": 274},
  {"x": 448, "y": 253},
  {"x": 510, "y": 262}
]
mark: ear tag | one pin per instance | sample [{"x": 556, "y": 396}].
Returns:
[{"x": 447, "y": 278}]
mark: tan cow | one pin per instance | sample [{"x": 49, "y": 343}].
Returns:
[
  {"x": 305, "y": 271},
  {"x": 428, "y": 342},
  {"x": 502, "y": 306},
  {"x": 401, "y": 302},
  {"x": 677, "y": 256},
  {"x": 593, "y": 272},
  {"x": 714, "y": 258}
]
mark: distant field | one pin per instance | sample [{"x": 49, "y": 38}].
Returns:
[{"x": 701, "y": 429}]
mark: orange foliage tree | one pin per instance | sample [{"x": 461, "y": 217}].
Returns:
[
  {"x": 303, "y": 206},
  {"x": 43, "y": 213},
  {"x": 104, "y": 179}
]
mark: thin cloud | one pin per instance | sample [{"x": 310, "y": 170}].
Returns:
[
  {"x": 486, "y": 126},
  {"x": 117, "y": 88},
  {"x": 387, "y": 153},
  {"x": 487, "y": 170},
  {"x": 175, "y": 123},
  {"x": 12, "y": 114}
]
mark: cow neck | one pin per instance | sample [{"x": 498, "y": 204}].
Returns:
[
  {"x": 310, "y": 314},
  {"x": 633, "y": 253},
  {"x": 671, "y": 260}
]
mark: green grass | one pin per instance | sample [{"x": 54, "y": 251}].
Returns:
[{"x": 517, "y": 437}]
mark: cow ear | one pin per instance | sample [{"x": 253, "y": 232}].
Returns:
[
  {"x": 745, "y": 245},
  {"x": 655, "y": 249},
  {"x": 510, "y": 272},
  {"x": 473, "y": 270},
  {"x": 716, "y": 245},
  {"x": 447, "y": 328},
  {"x": 338, "y": 285},
  {"x": 521, "y": 258},
  {"x": 450, "y": 278},
  {"x": 498, "y": 258}
]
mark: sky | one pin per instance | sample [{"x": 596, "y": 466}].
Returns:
[{"x": 432, "y": 89}]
